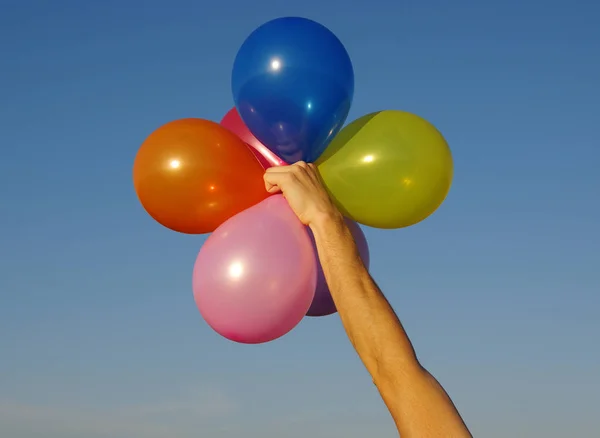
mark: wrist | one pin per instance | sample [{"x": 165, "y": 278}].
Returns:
[{"x": 326, "y": 222}]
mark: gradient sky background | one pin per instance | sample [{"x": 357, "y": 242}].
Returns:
[{"x": 499, "y": 290}]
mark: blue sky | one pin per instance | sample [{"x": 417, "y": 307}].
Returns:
[{"x": 99, "y": 334}]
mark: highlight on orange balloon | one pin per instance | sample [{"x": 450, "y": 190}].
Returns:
[{"x": 191, "y": 175}]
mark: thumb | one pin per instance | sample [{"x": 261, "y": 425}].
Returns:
[
  {"x": 273, "y": 181},
  {"x": 272, "y": 189}
]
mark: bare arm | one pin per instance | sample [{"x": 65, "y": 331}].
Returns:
[
  {"x": 419, "y": 405},
  {"x": 417, "y": 402}
]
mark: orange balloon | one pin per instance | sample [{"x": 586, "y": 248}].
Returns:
[{"x": 191, "y": 175}]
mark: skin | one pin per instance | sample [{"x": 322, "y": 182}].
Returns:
[{"x": 417, "y": 402}]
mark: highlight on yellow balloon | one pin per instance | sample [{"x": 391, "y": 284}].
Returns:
[{"x": 388, "y": 169}]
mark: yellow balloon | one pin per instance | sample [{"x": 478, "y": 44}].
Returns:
[{"x": 389, "y": 169}]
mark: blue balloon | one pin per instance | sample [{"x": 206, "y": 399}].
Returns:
[{"x": 293, "y": 84}]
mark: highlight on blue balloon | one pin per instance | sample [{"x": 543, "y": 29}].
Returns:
[{"x": 293, "y": 85}]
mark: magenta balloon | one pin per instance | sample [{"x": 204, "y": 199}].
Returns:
[
  {"x": 255, "y": 276},
  {"x": 323, "y": 304}
]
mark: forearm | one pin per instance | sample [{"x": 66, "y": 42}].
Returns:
[
  {"x": 368, "y": 319},
  {"x": 419, "y": 405}
]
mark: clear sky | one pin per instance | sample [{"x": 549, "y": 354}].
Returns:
[{"x": 499, "y": 289}]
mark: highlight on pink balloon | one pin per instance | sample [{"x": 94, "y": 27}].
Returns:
[
  {"x": 255, "y": 276},
  {"x": 235, "y": 124},
  {"x": 323, "y": 304}
]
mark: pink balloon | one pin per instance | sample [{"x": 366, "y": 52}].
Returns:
[
  {"x": 323, "y": 304},
  {"x": 255, "y": 276}
]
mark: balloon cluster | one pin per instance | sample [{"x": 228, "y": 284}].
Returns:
[{"x": 258, "y": 275}]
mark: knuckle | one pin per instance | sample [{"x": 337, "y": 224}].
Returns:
[
  {"x": 289, "y": 176},
  {"x": 296, "y": 169}
]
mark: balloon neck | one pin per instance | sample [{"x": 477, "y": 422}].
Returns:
[{"x": 270, "y": 156}]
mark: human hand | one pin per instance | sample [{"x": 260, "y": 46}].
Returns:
[{"x": 301, "y": 186}]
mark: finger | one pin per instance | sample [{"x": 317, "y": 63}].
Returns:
[
  {"x": 276, "y": 180},
  {"x": 303, "y": 168},
  {"x": 280, "y": 169},
  {"x": 269, "y": 186},
  {"x": 299, "y": 170},
  {"x": 311, "y": 170}
]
